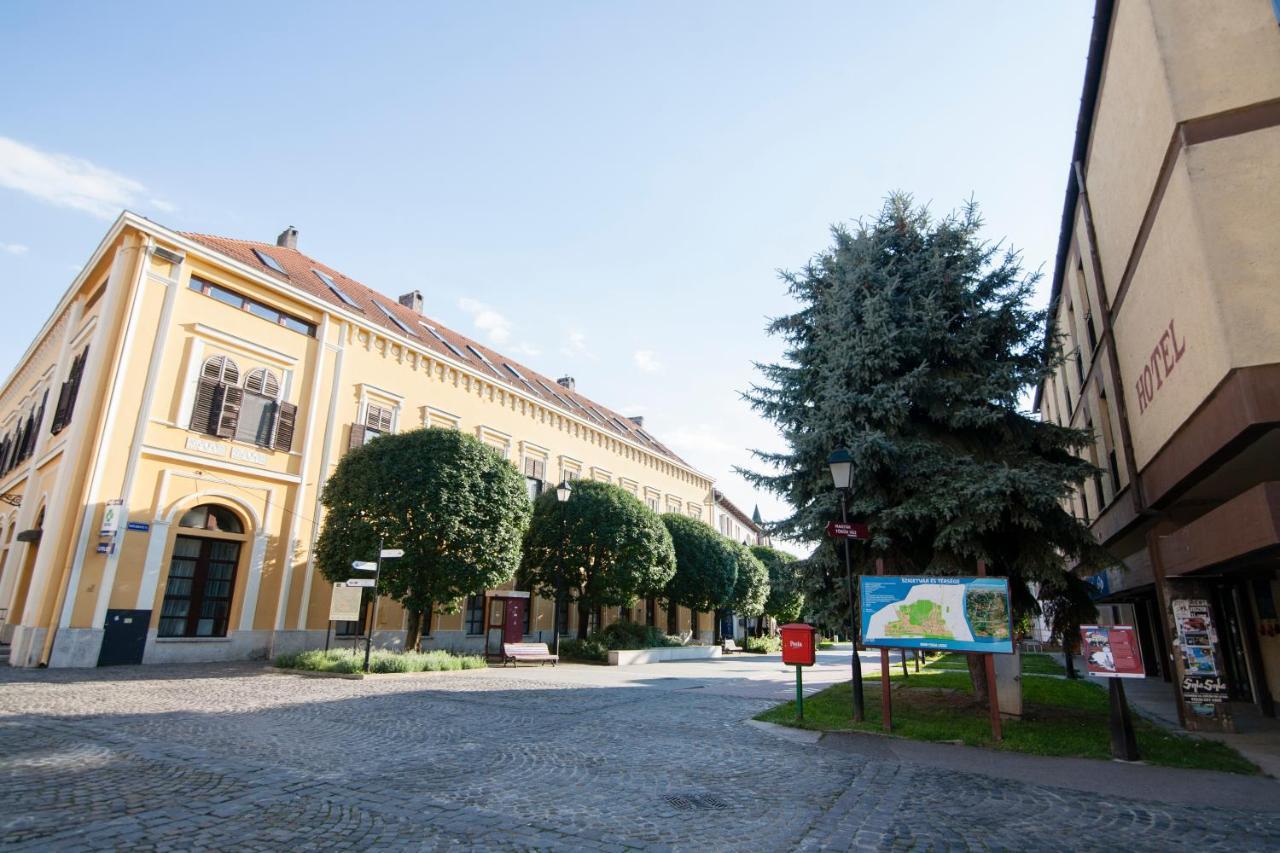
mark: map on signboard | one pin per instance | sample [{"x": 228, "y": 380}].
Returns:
[{"x": 956, "y": 614}]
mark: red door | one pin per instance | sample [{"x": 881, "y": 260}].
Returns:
[{"x": 513, "y": 630}]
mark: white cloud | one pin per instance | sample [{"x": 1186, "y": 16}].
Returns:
[
  {"x": 13, "y": 248},
  {"x": 646, "y": 361},
  {"x": 495, "y": 327},
  {"x": 67, "y": 181},
  {"x": 575, "y": 345}
]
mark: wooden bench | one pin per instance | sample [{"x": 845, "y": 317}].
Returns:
[
  {"x": 730, "y": 646},
  {"x": 527, "y": 653}
]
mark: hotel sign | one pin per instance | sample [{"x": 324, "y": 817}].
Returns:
[{"x": 1162, "y": 362}]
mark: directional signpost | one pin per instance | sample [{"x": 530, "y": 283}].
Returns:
[{"x": 376, "y": 568}]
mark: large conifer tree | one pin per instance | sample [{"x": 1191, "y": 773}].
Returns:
[{"x": 912, "y": 346}]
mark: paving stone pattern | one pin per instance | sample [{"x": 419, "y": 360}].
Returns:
[{"x": 235, "y": 757}]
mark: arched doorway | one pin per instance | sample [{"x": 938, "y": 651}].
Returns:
[{"x": 202, "y": 573}]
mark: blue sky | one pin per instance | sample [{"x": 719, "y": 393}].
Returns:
[{"x": 600, "y": 189}]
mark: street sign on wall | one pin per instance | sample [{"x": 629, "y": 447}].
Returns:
[
  {"x": 958, "y": 614},
  {"x": 1112, "y": 651}
]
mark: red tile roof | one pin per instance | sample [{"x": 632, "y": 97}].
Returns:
[
  {"x": 299, "y": 273},
  {"x": 735, "y": 512}
]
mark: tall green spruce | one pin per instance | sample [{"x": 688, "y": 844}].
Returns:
[{"x": 911, "y": 347}]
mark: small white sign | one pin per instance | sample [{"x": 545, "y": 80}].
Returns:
[
  {"x": 360, "y": 566},
  {"x": 204, "y": 445},
  {"x": 112, "y": 518},
  {"x": 359, "y": 581},
  {"x": 388, "y": 553},
  {"x": 245, "y": 454}
]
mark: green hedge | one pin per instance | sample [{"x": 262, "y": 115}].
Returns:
[
  {"x": 763, "y": 645},
  {"x": 345, "y": 660},
  {"x": 619, "y": 635}
]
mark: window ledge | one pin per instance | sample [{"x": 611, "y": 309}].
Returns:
[{"x": 193, "y": 639}]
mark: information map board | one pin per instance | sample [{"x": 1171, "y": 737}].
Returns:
[
  {"x": 1112, "y": 651},
  {"x": 955, "y": 614}
]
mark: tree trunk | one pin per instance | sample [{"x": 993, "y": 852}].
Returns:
[
  {"x": 1068, "y": 658},
  {"x": 584, "y": 611},
  {"x": 978, "y": 675},
  {"x": 673, "y": 618},
  {"x": 717, "y": 618},
  {"x": 413, "y": 627}
]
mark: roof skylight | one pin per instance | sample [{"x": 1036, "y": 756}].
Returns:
[
  {"x": 338, "y": 291},
  {"x": 439, "y": 337},
  {"x": 393, "y": 318},
  {"x": 483, "y": 358},
  {"x": 269, "y": 262}
]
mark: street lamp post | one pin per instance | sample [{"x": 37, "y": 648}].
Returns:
[
  {"x": 841, "y": 464},
  {"x": 563, "y": 492}
]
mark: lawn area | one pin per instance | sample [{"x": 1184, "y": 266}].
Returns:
[
  {"x": 1060, "y": 717},
  {"x": 1032, "y": 664}
]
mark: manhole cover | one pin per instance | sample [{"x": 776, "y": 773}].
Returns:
[{"x": 689, "y": 802}]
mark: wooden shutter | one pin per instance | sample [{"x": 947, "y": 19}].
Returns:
[
  {"x": 286, "y": 414},
  {"x": 535, "y": 468},
  {"x": 60, "y": 410},
  {"x": 378, "y": 418},
  {"x": 262, "y": 382},
  {"x": 29, "y": 437},
  {"x": 208, "y": 400},
  {"x": 357, "y": 436},
  {"x": 73, "y": 381},
  {"x": 229, "y": 413}
]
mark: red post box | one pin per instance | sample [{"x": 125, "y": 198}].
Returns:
[{"x": 799, "y": 644}]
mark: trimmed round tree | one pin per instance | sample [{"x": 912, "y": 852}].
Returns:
[
  {"x": 786, "y": 600},
  {"x": 706, "y": 566},
  {"x": 751, "y": 586},
  {"x": 455, "y": 506},
  {"x": 600, "y": 548}
]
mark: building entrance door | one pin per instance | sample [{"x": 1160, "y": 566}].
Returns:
[
  {"x": 1232, "y": 642},
  {"x": 504, "y": 623}
]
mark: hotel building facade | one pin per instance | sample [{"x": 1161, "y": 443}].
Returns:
[
  {"x": 165, "y": 438},
  {"x": 1166, "y": 295}
]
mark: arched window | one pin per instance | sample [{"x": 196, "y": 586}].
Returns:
[
  {"x": 262, "y": 381},
  {"x": 202, "y": 573},
  {"x": 212, "y": 517},
  {"x": 221, "y": 369}
]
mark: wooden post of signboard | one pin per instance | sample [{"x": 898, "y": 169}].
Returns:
[
  {"x": 993, "y": 692},
  {"x": 886, "y": 697}
]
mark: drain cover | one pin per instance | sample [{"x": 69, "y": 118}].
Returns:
[{"x": 689, "y": 802}]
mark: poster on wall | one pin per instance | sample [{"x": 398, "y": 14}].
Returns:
[
  {"x": 967, "y": 614},
  {"x": 1112, "y": 651},
  {"x": 1193, "y": 622}
]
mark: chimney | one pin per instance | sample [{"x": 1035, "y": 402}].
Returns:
[
  {"x": 288, "y": 238},
  {"x": 566, "y": 381},
  {"x": 412, "y": 299},
  {"x": 638, "y": 420}
]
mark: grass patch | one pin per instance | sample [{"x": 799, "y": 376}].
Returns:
[
  {"x": 1032, "y": 664},
  {"x": 382, "y": 660},
  {"x": 1060, "y": 717}
]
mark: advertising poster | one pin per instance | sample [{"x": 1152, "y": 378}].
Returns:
[
  {"x": 1193, "y": 622},
  {"x": 946, "y": 613},
  {"x": 1112, "y": 651}
]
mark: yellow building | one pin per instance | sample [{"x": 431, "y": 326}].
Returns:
[
  {"x": 164, "y": 439},
  {"x": 1167, "y": 299}
]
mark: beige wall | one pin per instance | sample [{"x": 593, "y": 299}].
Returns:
[{"x": 135, "y": 444}]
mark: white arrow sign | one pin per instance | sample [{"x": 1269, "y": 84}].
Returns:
[
  {"x": 388, "y": 553},
  {"x": 359, "y": 581},
  {"x": 364, "y": 567}
]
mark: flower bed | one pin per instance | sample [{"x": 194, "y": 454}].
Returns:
[{"x": 381, "y": 661}]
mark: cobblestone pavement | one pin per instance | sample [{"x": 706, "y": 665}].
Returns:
[{"x": 232, "y": 756}]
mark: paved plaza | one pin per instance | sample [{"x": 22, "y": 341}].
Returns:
[{"x": 240, "y": 757}]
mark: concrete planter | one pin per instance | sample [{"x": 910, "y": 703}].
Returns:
[{"x": 630, "y": 657}]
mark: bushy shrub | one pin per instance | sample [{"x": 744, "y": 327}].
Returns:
[
  {"x": 382, "y": 660},
  {"x": 619, "y": 635},
  {"x": 763, "y": 645}
]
